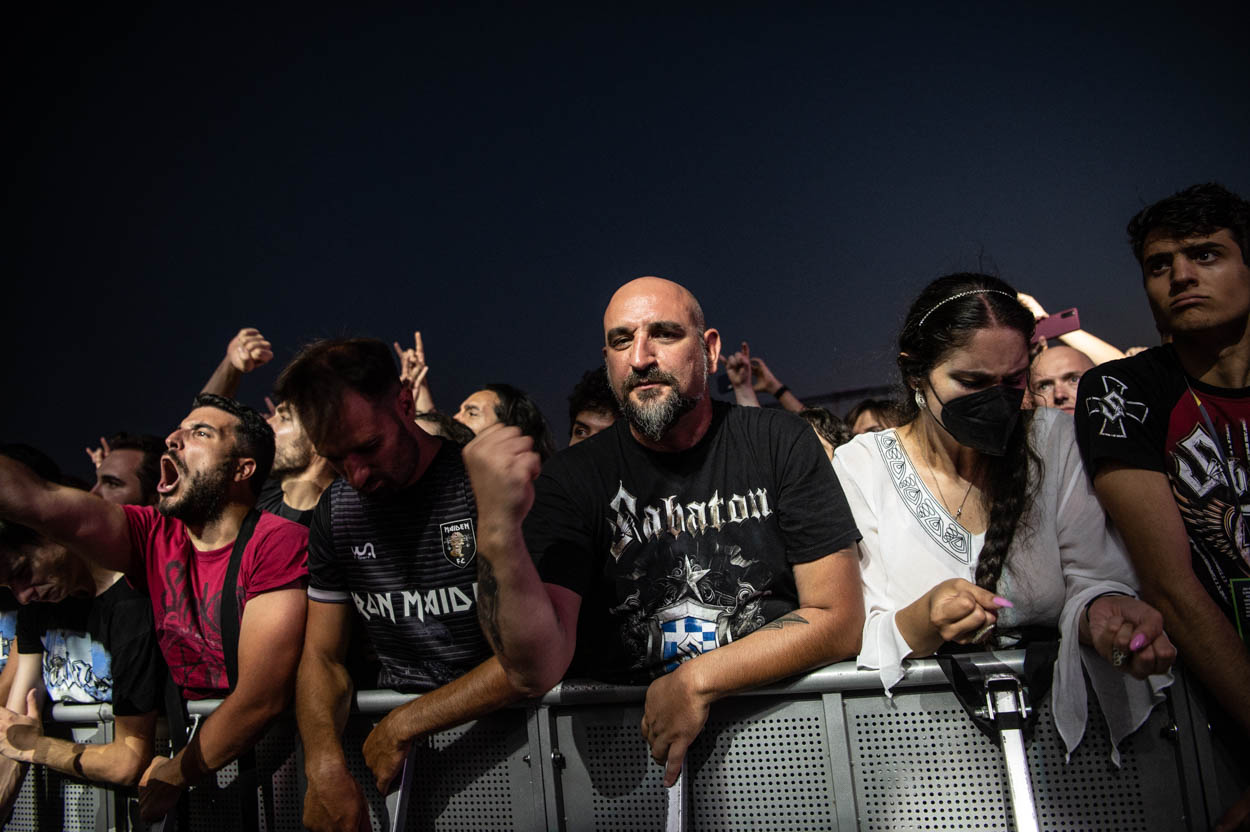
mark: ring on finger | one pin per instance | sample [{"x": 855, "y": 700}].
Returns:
[{"x": 1118, "y": 657}]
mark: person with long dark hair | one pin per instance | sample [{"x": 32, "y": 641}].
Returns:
[{"x": 978, "y": 518}]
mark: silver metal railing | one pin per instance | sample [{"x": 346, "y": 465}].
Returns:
[{"x": 826, "y": 750}]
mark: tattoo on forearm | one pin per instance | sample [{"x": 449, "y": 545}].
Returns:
[
  {"x": 487, "y": 609},
  {"x": 788, "y": 618}
]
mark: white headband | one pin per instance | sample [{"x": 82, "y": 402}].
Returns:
[{"x": 964, "y": 295}]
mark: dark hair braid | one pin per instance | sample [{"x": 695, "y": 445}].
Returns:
[
  {"x": 1013, "y": 482},
  {"x": 952, "y": 309}
]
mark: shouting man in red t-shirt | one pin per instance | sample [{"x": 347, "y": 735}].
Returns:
[{"x": 178, "y": 553}]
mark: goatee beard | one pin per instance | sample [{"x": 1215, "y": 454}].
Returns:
[{"x": 653, "y": 417}]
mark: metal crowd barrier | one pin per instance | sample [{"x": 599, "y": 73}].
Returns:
[{"x": 823, "y": 751}]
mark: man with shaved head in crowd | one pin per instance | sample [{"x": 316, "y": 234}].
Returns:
[
  {"x": 697, "y": 546},
  {"x": 1055, "y": 375}
]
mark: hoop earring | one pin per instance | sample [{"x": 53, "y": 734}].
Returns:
[{"x": 920, "y": 402}]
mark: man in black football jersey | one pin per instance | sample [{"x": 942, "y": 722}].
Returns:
[{"x": 393, "y": 542}]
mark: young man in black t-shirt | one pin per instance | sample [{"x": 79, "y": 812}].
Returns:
[
  {"x": 1166, "y": 436},
  {"x": 392, "y": 543},
  {"x": 704, "y": 546},
  {"x": 95, "y": 644}
]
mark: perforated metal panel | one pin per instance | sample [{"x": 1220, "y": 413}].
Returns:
[
  {"x": 469, "y": 778},
  {"x": 212, "y": 810},
  {"x": 921, "y": 765},
  {"x": 25, "y": 817},
  {"x": 763, "y": 766},
  {"x": 756, "y": 765},
  {"x": 608, "y": 780}
]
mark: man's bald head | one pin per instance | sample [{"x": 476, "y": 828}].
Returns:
[
  {"x": 659, "y": 353},
  {"x": 671, "y": 295},
  {"x": 1055, "y": 374}
]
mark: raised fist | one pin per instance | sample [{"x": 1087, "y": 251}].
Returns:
[{"x": 248, "y": 350}]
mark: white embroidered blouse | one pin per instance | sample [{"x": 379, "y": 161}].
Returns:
[{"x": 1070, "y": 555}]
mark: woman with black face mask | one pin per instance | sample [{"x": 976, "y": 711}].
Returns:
[{"x": 978, "y": 518}]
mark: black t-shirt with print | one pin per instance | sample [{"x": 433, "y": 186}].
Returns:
[
  {"x": 406, "y": 563},
  {"x": 674, "y": 554},
  {"x": 1143, "y": 412},
  {"x": 100, "y": 649}
]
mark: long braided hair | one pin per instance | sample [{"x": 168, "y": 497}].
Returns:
[{"x": 944, "y": 318}]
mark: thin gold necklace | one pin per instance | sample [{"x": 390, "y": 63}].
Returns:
[{"x": 945, "y": 504}]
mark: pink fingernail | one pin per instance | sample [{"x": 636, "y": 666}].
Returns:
[
  {"x": 1138, "y": 642},
  {"x": 1002, "y": 602}
]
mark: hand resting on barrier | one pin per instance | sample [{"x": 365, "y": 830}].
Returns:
[
  {"x": 335, "y": 804},
  {"x": 385, "y": 750}
]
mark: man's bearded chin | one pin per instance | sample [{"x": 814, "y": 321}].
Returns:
[
  {"x": 653, "y": 416},
  {"x": 292, "y": 458},
  {"x": 201, "y": 498}
]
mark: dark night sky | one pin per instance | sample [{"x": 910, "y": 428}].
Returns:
[{"x": 489, "y": 175}]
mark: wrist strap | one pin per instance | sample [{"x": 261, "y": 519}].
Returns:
[{"x": 781, "y": 391}]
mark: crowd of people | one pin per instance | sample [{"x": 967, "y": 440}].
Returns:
[{"x": 357, "y": 537}]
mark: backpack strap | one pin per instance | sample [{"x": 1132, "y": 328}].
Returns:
[{"x": 229, "y": 612}]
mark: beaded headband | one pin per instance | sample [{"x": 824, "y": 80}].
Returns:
[{"x": 963, "y": 295}]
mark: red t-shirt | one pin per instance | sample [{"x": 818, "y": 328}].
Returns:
[{"x": 185, "y": 587}]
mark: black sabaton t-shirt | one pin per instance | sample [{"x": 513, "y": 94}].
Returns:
[
  {"x": 100, "y": 649},
  {"x": 675, "y": 554},
  {"x": 407, "y": 564}
]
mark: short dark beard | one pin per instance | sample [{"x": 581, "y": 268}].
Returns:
[
  {"x": 204, "y": 497},
  {"x": 654, "y": 417},
  {"x": 291, "y": 459}
]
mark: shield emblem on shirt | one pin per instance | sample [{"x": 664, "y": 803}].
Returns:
[
  {"x": 688, "y": 629},
  {"x": 459, "y": 541}
]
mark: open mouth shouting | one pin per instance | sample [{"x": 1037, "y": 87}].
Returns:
[{"x": 172, "y": 470}]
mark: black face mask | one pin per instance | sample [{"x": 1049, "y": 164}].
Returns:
[{"x": 983, "y": 420}]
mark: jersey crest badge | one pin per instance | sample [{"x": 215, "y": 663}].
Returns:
[{"x": 459, "y": 541}]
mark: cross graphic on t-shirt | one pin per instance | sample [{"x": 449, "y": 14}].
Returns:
[{"x": 1114, "y": 407}]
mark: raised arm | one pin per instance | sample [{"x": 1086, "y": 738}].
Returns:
[
  {"x": 766, "y": 381},
  {"x": 532, "y": 626},
  {"x": 1141, "y": 505},
  {"x": 271, "y": 638},
  {"x": 323, "y": 691},
  {"x": 92, "y": 527},
  {"x": 825, "y": 628},
  {"x": 246, "y": 351},
  {"x": 415, "y": 373},
  {"x": 1098, "y": 350},
  {"x": 738, "y": 368}
]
